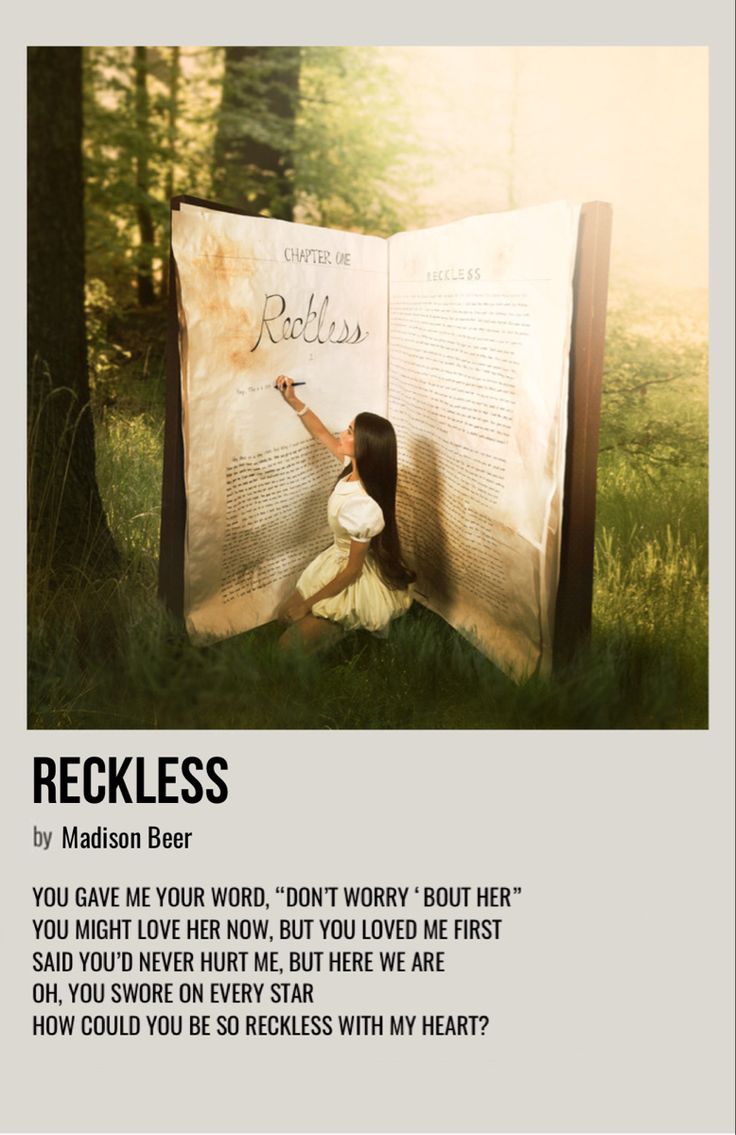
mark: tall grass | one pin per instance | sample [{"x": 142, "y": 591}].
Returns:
[{"x": 104, "y": 654}]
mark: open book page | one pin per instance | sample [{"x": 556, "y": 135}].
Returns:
[
  {"x": 479, "y": 337},
  {"x": 258, "y": 298}
]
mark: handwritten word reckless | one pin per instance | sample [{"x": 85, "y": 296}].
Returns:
[{"x": 313, "y": 326}]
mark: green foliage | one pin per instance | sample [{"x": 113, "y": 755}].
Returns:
[
  {"x": 129, "y": 471},
  {"x": 349, "y": 164},
  {"x": 318, "y": 129},
  {"x": 650, "y": 604},
  {"x": 104, "y": 356},
  {"x": 253, "y": 163},
  {"x": 178, "y": 162},
  {"x": 655, "y": 407},
  {"x": 111, "y": 658},
  {"x": 110, "y": 146},
  {"x": 356, "y": 166},
  {"x": 336, "y": 149},
  {"x": 125, "y": 353}
]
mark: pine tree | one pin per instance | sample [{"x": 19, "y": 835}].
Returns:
[{"x": 253, "y": 153}]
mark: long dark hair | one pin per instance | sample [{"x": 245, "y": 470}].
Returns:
[{"x": 375, "y": 455}]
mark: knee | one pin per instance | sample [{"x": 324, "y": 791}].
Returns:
[
  {"x": 286, "y": 640},
  {"x": 292, "y": 639}
]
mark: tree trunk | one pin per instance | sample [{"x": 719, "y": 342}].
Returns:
[
  {"x": 173, "y": 111},
  {"x": 253, "y": 158},
  {"x": 144, "y": 273},
  {"x": 67, "y": 527}
]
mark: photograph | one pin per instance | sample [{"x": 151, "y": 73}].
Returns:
[{"x": 368, "y": 387}]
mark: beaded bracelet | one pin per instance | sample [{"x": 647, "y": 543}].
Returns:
[{"x": 302, "y": 412}]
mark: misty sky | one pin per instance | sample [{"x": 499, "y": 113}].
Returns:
[{"x": 621, "y": 124}]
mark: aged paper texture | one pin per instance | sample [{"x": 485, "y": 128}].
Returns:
[
  {"x": 258, "y": 298},
  {"x": 480, "y": 314},
  {"x": 460, "y": 333}
]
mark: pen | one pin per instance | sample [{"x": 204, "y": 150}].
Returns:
[{"x": 293, "y": 384}]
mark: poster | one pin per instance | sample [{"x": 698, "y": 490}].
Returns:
[{"x": 603, "y": 1004}]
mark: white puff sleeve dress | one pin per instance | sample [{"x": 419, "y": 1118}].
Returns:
[{"x": 367, "y": 602}]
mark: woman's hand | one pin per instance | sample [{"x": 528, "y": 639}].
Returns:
[
  {"x": 284, "y": 385},
  {"x": 309, "y": 419},
  {"x": 295, "y": 608}
]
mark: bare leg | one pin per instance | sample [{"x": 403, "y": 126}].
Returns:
[{"x": 311, "y": 634}]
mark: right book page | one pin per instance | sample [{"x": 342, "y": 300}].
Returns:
[{"x": 480, "y": 315}]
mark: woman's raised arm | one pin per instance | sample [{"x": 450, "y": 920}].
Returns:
[{"x": 317, "y": 428}]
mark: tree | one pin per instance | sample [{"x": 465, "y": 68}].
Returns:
[
  {"x": 316, "y": 134},
  {"x": 171, "y": 140},
  {"x": 144, "y": 270},
  {"x": 253, "y": 154},
  {"x": 67, "y": 525},
  {"x": 655, "y": 406},
  {"x": 171, "y": 117},
  {"x": 148, "y": 133},
  {"x": 356, "y": 164},
  {"x": 111, "y": 194}
]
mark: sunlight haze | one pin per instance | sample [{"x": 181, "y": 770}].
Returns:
[{"x": 507, "y": 127}]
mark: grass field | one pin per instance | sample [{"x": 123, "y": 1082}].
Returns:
[{"x": 105, "y": 655}]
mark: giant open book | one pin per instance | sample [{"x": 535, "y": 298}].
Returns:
[{"x": 460, "y": 334}]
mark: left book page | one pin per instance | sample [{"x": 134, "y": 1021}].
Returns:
[{"x": 257, "y": 298}]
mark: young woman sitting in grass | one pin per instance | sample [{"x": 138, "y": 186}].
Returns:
[{"x": 361, "y": 580}]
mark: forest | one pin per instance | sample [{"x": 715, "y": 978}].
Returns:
[{"x": 318, "y": 135}]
